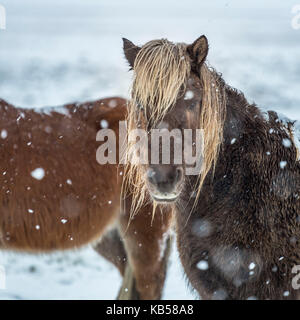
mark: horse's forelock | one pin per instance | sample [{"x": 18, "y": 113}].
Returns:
[{"x": 161, "y": 68}]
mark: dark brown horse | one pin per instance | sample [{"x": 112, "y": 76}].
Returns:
[
  {"x": 55, "y": 195},
  {"x": 238, "y": 225}
]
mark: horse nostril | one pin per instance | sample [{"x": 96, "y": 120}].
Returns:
[
  {"x": 164, "y": 178},
  {"x": 178, "y": 174},
  {"x": 151, "y": 176},
  {"x": 174, "y": 176}
]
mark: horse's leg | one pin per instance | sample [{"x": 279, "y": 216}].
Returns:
[
  {"x": 148, "y": 247},
  {"x": 111, "y": 247},
  {"x": 128, "y": 289}
]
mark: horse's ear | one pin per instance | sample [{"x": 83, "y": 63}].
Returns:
[
  {"x": 130, "y": 51},
  {"x": 198, "y": 51}
]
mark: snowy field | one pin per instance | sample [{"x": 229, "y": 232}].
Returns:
[{"x": 59, "y": 51}]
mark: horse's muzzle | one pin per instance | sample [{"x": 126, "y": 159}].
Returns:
[{"x": 164, "y": 182}]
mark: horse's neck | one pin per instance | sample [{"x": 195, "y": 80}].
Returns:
[
  {"x": 254, "y": 138},
  {"x": 240, "y": 116}
]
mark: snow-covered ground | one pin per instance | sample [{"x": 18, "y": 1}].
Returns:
[
  {"x": 53, "y": 52},
  {"x": 80, "y": 274}
]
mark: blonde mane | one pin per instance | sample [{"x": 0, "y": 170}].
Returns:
[{"x": 161, "y": 70}]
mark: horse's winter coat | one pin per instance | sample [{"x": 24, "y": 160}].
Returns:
[{"x": 238, "y": 221}]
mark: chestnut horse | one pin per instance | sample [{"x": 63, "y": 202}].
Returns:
[
  {"x": 237, "y": 219},
  {"x": 56, "y": 196}
]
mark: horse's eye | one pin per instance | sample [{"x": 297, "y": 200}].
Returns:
[{"x": 191, "y": 104}]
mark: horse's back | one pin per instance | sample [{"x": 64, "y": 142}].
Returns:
[{"x": 54, "y": 194}]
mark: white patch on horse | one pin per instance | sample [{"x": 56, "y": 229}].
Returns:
[{"x": 163, "y": 245}]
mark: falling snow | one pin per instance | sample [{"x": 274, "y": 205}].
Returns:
[
  {"x": 3, "y": 134},
  {"x": 282, "y": 164},
  {"x": 104, "y": 124},
  {"x": 45, "y": 89},
  {"x": 202, "y": 228},
  {"x": 233, "y": 141},
  {"x": 189, "y": 95},
  {"x": 112, "y": 103},
  {"x": 287, "y": 143},
  {"x": 252, "y": 265},
  {"x": 38, "y": 173},
  {"x": 202, "y": 265}
]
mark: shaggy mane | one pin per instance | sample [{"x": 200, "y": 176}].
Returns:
[{"x": 160, "y": 70}]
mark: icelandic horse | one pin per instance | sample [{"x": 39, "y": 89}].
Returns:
[
  {"x": 238, "y": 217},
  {"x": 56, "y": 196}
]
